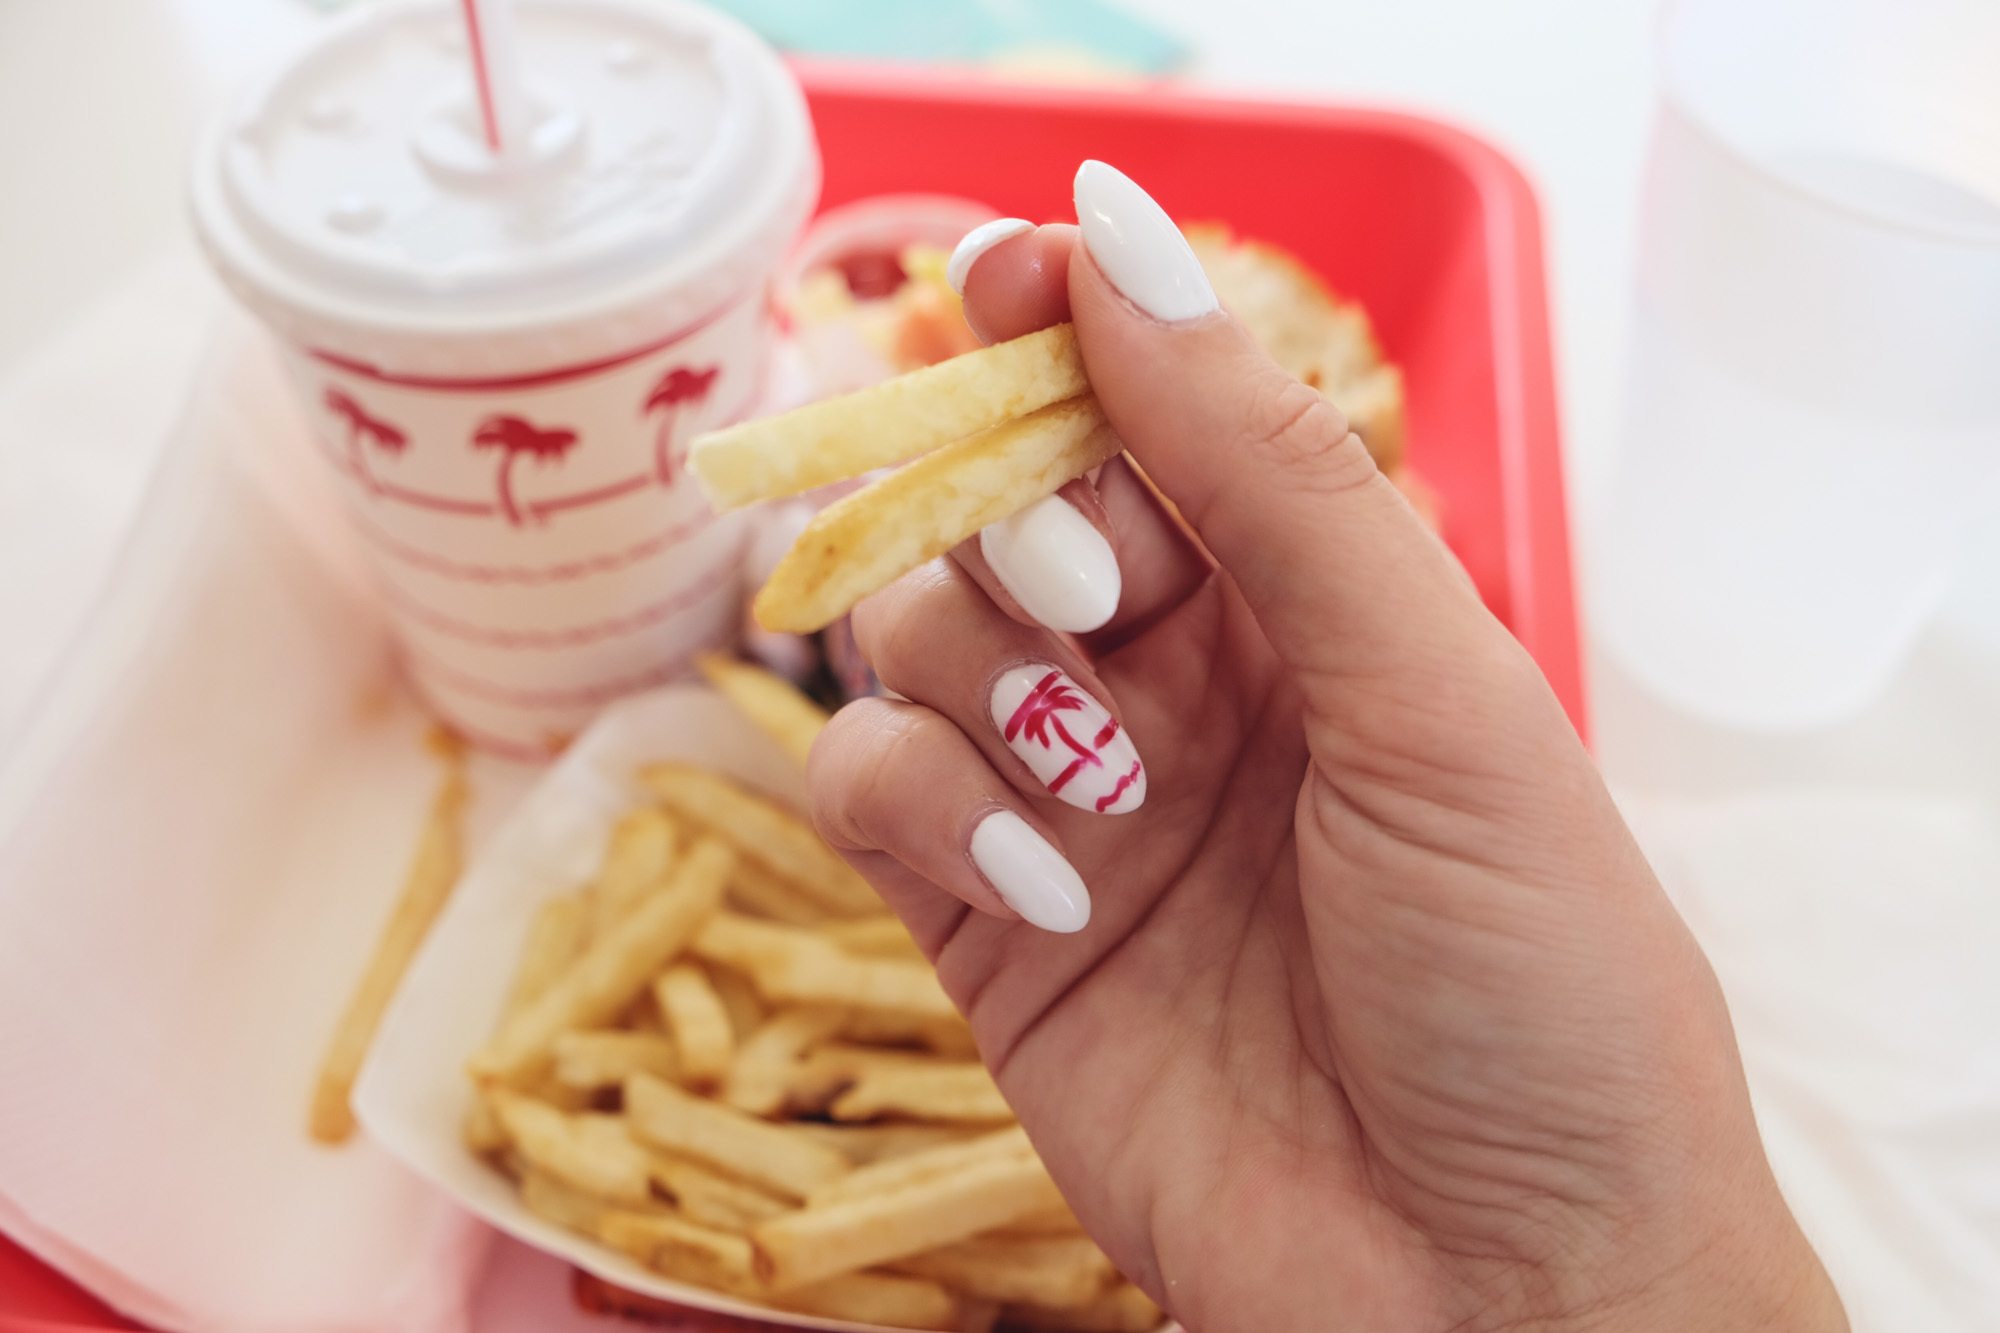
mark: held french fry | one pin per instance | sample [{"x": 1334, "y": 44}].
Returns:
[
  {"x": 587, "y": 1151},
  {"x": 865, "y": 540},
  {"x": 766, "y": 833},
  {"x": 433, "y": 870},
  {"x": 640, "y": 851},
  {"x": 778, "y": 708},
  {"x": 962, "y": 1093},
  {"x": 886, "y": 423},
  {"x": 934, "y": 1163},
  {"x": 693, "y": 1013},
  {"x": 1054, "y": 1272},
  {"x": 614, "y": 969},
  {"x": 870, "y": 1229},
  {"x": 772, "y": 1156}
]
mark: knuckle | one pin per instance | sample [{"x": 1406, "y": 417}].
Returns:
[
  {"x": 895, "y": 629},
  {"x": 1293, "y": 429},
  {"x": 855, "y": 763}
]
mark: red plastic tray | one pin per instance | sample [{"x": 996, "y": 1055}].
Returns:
[{"x": 1431, "y": 228}]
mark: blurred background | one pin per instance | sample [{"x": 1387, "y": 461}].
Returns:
[{"x": 1773, "y": 237}]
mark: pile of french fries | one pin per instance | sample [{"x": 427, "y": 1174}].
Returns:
[
  {"x": 724, "y": 1058},
  {"x": 992, "y": 431}
]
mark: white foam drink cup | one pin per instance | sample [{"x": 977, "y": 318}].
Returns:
[{"x": 504, "y": 356}]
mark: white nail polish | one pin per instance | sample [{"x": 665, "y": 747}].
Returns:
[
  {"x": 1139, "y": 247},
  {"x": 1056, "y": 563},
  {"x": 1029, "y": 875},
  {"x": 976, "y": 243},
  {"x": 1071, "y": 743}
]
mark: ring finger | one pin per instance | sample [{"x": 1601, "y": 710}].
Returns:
[{"x": 1020, "y": 694}]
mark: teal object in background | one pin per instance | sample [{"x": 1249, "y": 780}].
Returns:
[{"x": 963, "y": 31}]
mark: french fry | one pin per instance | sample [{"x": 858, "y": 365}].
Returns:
[
  {"x": 897, "y": 1300},
  {"x": 562, "y": 1204},
  {"x": 637, "y": 857},
  {"x": 1057, "y": 1272},
  {"x": 886, "y": 423},
  {"x": 588, "y": 1061},
  {"x": 766, "y": 833},
  {"x": 814, "y": 1080},
  {"x": 1055, "y": 1222},
  {"x": 765, "y": 892},
  {"x": 863, "y": 1144},
  {"x": 873, "y": 937},
  {"x": 865, "y": 540},
  {"x": 936, "y": 1163},
  {"x": 870, "y": 1229},
  {"x": 792, "y": 966},
  {"x": 713, "y": 1200},
  {"x": 614, "y": 969},
  {"x": 762, "y": 1070},
  {"x": 1122, "y": 1309},
  {"x": 946, "y": 1036},
  {"x": 739, "y": 998},
  {"x": 433, "y": 870},
  {"x": 681, "y": 1249},
  {"x": 700, "y": 1025},
  {"x": 772, "y": 1156},
  {"x": 556, "y": 935},
  {"x": 778, "y": 708},
  {"x": 962, "y": 1093},
  {"x": 589, "y": 1152}
]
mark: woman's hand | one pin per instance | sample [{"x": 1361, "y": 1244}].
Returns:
[{"x": 1379, "y": 1020}]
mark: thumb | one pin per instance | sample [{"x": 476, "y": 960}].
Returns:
[{"x": 1342, "y": 576}]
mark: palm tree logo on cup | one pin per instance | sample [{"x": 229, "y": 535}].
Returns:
[
  {"x": 361, "y": 427},
  {"x": 669, "y": 397},
  {"x": 516, "y": 438}
]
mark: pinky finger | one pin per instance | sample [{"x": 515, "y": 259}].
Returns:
[{"x": 914, "y": 805}]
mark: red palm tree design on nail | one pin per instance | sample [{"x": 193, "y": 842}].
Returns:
[
  {"x": 1037, "y": 716},
  {"x": 670, "y": 393},
  {"x": 363, "y": 427},
  {"x": 515, "y": 438}
]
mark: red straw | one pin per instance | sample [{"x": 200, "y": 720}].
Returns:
[{"x": 482, "y": 76}]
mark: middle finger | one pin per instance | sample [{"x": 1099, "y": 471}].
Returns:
[{"x": 1021, "y": 694}]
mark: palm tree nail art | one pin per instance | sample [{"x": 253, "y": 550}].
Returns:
[{"x": 1069, "y": 740}]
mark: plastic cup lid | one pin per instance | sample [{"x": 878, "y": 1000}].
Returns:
[{"x": 669, "y": 158}]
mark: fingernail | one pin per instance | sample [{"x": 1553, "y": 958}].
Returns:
[
  {"x": 1139, "y": 247},
  {"x": 976, "y": 243},
  {"x": 1030, "y": 876},
  {"x": 1056, "y": 563},
  {"x": 1070, "y": 741}
]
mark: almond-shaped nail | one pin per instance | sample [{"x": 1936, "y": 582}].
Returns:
[
  {"x": 976, "y": 243},
  {"x": 1138, "y": 246},
  {"x": 1056, "y": 563},
  {"x": 1029, "y": 874},
  {"x": 1069, "y": 740}
]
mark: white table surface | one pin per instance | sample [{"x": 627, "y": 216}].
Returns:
[{"x": 98, "y": 100}]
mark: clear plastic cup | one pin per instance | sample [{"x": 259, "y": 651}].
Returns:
[
  {"x": 503, "y": 357},
  {"x": 1813, "y": 402}
]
